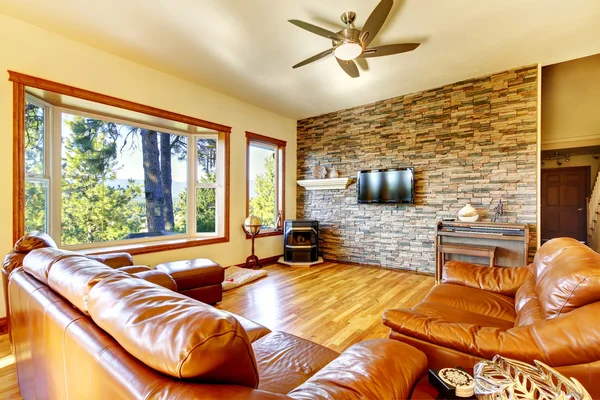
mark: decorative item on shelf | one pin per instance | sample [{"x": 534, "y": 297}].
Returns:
[
  {"x": 498, "y": 211},
  {"x": 503, "y": 378},
  {"x": 319, "y": 172},
  {"x": 252, "y": 227},
  {"x": 334, "y": 173},
  {"x": 278, "y": 221},
  {"x": 468, "y": 214}
]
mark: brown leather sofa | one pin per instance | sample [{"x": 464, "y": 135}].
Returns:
[
  {"x": 83, "y": 330},
  {"x": 547, "y": 311},
  {"x": 200, "y": 279}
]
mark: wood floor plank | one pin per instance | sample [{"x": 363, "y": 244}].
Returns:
[{"x": 335, "y": 305}]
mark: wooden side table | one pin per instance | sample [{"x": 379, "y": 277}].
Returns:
[{"x": 467, "y": 250}]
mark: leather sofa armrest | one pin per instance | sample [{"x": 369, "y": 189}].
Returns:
[
  {"x": 374, "y": 369},
  {"x": 134, "y": 269},
  {"x": 157, "y": 277},
  {"x": 566, "y": 340},
  {"x": 500, "y": 280},
  {"x": 484, "y": 342},
  {"x": 114, "y": 260},
  {"x": 254, "y": 330}
]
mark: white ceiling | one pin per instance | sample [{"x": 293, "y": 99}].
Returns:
[{"x": 246, "y": 48}]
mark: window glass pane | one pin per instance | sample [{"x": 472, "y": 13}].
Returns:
[
  {"x": 36, "y": 206},
  {"x": 261, "y": 183},
  {"x": 207, "y": 160},
  {"x": 35, "y": 120},
  {"x": 120, "y": 182},
  {"x": 205, "y": 210}
]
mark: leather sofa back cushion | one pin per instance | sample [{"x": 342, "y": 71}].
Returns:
[
  {"x": 571, "y": 278},
  {"x": 527, "y": 305},
  {"x": 74, "y": 277},
  {"x": 39, "y": 262},
  {"x": 546, "y": 254},
  {"x": 172, "y": 333},
  {"x": 32, "y": 241}
]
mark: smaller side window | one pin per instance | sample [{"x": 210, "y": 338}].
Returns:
[{"x": 265, "y": 194}]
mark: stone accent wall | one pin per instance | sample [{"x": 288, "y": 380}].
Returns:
[{"x": 469, "y": 142}]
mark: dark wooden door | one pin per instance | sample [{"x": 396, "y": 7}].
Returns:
[{"x": 564, "y": 192}]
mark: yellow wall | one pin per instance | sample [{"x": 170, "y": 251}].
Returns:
[
  {"x": 571, "y": 104},
  {"x": 577, "y": 161},
  {"x": 31, "y": 50}
]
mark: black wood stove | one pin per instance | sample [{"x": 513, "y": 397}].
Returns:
[{"x": 301, "y": 240}]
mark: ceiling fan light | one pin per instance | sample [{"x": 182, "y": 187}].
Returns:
[{"x": 348, "y": 51}]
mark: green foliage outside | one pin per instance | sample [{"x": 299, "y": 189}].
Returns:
[
  {"x": 35, "y": 192},
  {"x": 262, "y": 205},
  {"x": 92, "y": 211},
  {"x": 205, "y": 208}
]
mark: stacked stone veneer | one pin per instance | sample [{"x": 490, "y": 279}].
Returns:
[{"x": 469, "y": 142}]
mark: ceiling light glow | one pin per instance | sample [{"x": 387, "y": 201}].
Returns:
[{"x": 348, "y": 51}]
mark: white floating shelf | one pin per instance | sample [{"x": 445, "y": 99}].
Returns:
[{"x": 325, "y": 184}]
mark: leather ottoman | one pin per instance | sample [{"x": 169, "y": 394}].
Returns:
[{"x": 199, "y": 279}]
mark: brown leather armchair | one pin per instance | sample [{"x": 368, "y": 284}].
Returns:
[{"x": 547, "y": 311}]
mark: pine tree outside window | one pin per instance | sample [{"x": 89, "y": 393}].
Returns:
[{"x": 265, "y": 181}]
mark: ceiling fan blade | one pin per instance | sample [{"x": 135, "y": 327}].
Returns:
[
  {"x": 349, "y": 67},
  {"x": 389, "y": 49},
  {"x": 315, "y": 29},
  {"x": 375, "y": 21},
  {"x": 314, "y": 58}
]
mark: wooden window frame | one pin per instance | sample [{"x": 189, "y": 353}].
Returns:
[
  {"x": 21, "y": 81},
  {"x": 280, "y": 144}
]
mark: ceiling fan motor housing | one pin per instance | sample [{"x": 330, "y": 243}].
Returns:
[{"x": 349, "y": 33}]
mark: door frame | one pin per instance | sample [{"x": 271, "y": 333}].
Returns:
[{"x": 588, "y": 188}]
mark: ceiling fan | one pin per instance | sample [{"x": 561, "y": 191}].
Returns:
[{"x": 351, "y": 43}]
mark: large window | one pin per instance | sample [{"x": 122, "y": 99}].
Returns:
[
  {"x": 93, "y": 177},
  {"x": 265, "y": 181}
]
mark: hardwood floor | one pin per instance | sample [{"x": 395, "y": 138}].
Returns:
[{"x": 335, "y": 305}]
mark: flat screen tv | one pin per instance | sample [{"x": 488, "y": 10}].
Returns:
[{"x": 386, "y": 186}]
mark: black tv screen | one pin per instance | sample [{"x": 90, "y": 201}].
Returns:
[{"x": 386, "y": 186}]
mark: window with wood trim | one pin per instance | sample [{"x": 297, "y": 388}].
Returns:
[
  {"x": 96, "y": 175},
  {"x": 265, "y": 179}
]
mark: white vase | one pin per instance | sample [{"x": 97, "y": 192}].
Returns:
[
  {"x": 334, "y": 173},
  {"x": 468, "y": 214}
]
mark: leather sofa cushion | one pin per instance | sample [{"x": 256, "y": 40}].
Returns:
[
  {"x": 527, "y": 305},
  {"x": 546, "y": 254},
  {"x": 452, "y": 314},
  {"x": 158, "y": 278},
  {"x": 373, "y": 369},
  {"x": 254, "y": 330},
  {"x": 285, "y": 361},
  {"x": 190, "y": 274},
  {"x": 172, "y": 333},
  {"x": 12, "y": 261},
  {"x": 114, "y": 260},
  {"x": 484, "y": 303},
  {"x": 74, "y": 277},
  {"x": 39, "y": 262},
  {"x": 570, "y": 280},
  {"x": 32, "y": 241}
]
